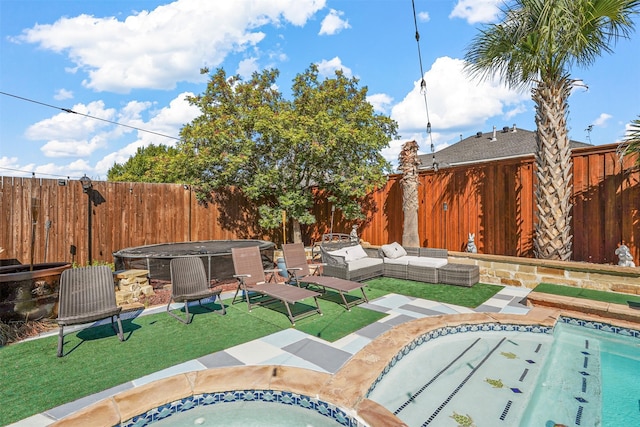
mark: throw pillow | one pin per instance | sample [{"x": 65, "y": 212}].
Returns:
[
  {"x": 355, "y": 252},
  {"x": 393, "y": 250},
  {"x": 339, "y": 252}
]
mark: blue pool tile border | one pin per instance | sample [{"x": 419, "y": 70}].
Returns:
[
  {"x": 268, "y": 396},
  {"x": 451, "y": 330},
  {"x": 601, "y": 326}
]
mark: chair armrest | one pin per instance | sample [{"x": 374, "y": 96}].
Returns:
[
  {"x": 272, "y": 270},
  {"x": 294, "y": 269},
  {"x": 239, "y": 276},
  {"x": 333, "y": 260}
]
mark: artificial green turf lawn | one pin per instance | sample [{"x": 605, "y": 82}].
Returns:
[
  {"x": 458, "y": 295},
  {"x": 591, "y": 294},
  {"x": 33, "y": 379}
]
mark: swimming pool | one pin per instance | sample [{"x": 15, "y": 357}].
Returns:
[
  {"x": 246, "y": 408},
  {"x": 591, "y": 378},
  {"x": 508, "y": 375}
]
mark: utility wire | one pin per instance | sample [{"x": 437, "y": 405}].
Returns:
[
  {"x": 33, "y": 174},
  {"x": 423, "y": 88},
  {"x": 67, "y": 110}
]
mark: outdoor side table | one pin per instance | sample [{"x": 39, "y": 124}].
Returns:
[{"x": 459, "y": 274}]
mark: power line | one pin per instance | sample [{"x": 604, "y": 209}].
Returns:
[
  {"x": 423, "y": 87},
  {"x": 33, "y": 174},
  {"x": 68, "y": 110}
]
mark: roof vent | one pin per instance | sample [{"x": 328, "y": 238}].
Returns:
[
  {"x": 514, "y": 130},
  {"x": 478, "y": 134},
  {"x": 494, "y": 139},
  {"x": 505, "y": 129}
]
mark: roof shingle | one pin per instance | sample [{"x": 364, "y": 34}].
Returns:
[{"x": 509, "y": 142}]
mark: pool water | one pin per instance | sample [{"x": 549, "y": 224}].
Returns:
[
  {"x": 580, "y": 374},
  {"x": 248, "y": 414},
  {"x": 591, "y": 379},
  {"x": 480, "y": 378}
]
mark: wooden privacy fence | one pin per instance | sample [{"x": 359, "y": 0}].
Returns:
[{"x": 493, "y": 200}]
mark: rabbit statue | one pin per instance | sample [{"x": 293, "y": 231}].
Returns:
[{"x": 471, "y": 244}]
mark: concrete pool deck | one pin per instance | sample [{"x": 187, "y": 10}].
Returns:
[{"x": 339, "y": 372}]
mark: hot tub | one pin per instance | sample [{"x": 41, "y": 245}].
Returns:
[{"x": 216, "y": 255}]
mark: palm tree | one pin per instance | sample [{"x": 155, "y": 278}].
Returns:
[
  {"x": 408, "y": 165},
  {"x": 631, "y": 143},
  {"x": 535, "y": 46}
]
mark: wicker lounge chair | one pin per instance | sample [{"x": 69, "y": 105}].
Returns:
[
  {"x": 250, "y": 274},
  {"x": 87, "y": 294},
  {"x": 298, "y": 269},
  {"x": 189, "y": 283}
]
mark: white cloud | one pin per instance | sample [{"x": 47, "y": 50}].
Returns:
[
  {"x": 72, "y": 126},
  {"x": 167, "y": 121},
  {"x": 76, "y": 135},
  {"x": 333, "y": 23},
  {"x": 424, "y": 17},
  {"x": 328, "y": 68},
  {"x": 602, "y": 120},
  {"x": 169, "y": 44},
  {"x": 246, "y": 67},
  {"x": 380, "y": 101},
  {"x": 476, "y": 11},
  {"x": 62, "y": 94},
  {"x": 455, "y": 101}
]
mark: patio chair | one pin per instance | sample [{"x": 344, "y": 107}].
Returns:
[
  {"x": 298, "y": 269},
  {"x": 87, "y": 294},
  {"x": 250, "y": 273},
  {"x": 189, "y": 283}
]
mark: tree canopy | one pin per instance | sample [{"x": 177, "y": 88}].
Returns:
[
  {"x": 277, "y": 150},
  {"x": 536, "y": 44},
  {"x": 631, "y": 144},
  {"x": 153, "y": 163}
]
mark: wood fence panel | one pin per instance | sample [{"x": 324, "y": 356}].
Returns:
[
  {"x": 580, "y": 191},
  {"x": 493, "y": 200}
]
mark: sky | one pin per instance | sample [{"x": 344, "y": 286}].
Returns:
[{"x": 125, "y": 68}]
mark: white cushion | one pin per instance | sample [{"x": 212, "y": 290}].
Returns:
[
  {"x": 354, "y": 253},
  {"x": 424, "y": 261},
  {"x": 393, "y": 250},
  {"x": 364, "y": 262},
  {"x": 403, "y": 260}
]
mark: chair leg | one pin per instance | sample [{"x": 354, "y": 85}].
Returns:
[
  {"x": 233, "y": 301},
  {"x": 186, "y": 320},
  {"x": 60, "y": 341},
  {"x": 119, "y": 329},
  {"x": 222, "y": 311}
]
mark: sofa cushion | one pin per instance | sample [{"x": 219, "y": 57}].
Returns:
[
  {"x": 393, "y": 250},
  {"x": 424, "y": 261},
  {"x": 403, "y": 260},
  {"x": 364, "y": 262}
]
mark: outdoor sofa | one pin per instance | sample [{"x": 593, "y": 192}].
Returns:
[{"x": 429, "y": 265}]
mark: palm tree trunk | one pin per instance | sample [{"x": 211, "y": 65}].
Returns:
[
  {"x": 553, "y": 235},
  {"x": 409, "y": 162}
]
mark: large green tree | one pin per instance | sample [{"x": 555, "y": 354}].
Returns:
[
  {"x": 536, "y": 45},
  {"x": 276, "y": 150},
  {"x": 153, "y": 163}
]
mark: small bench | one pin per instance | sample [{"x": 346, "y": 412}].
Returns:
[{"x": 459, "y": 274}]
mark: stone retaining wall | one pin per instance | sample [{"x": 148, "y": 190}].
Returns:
[{"x": 529, "y": 272}]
